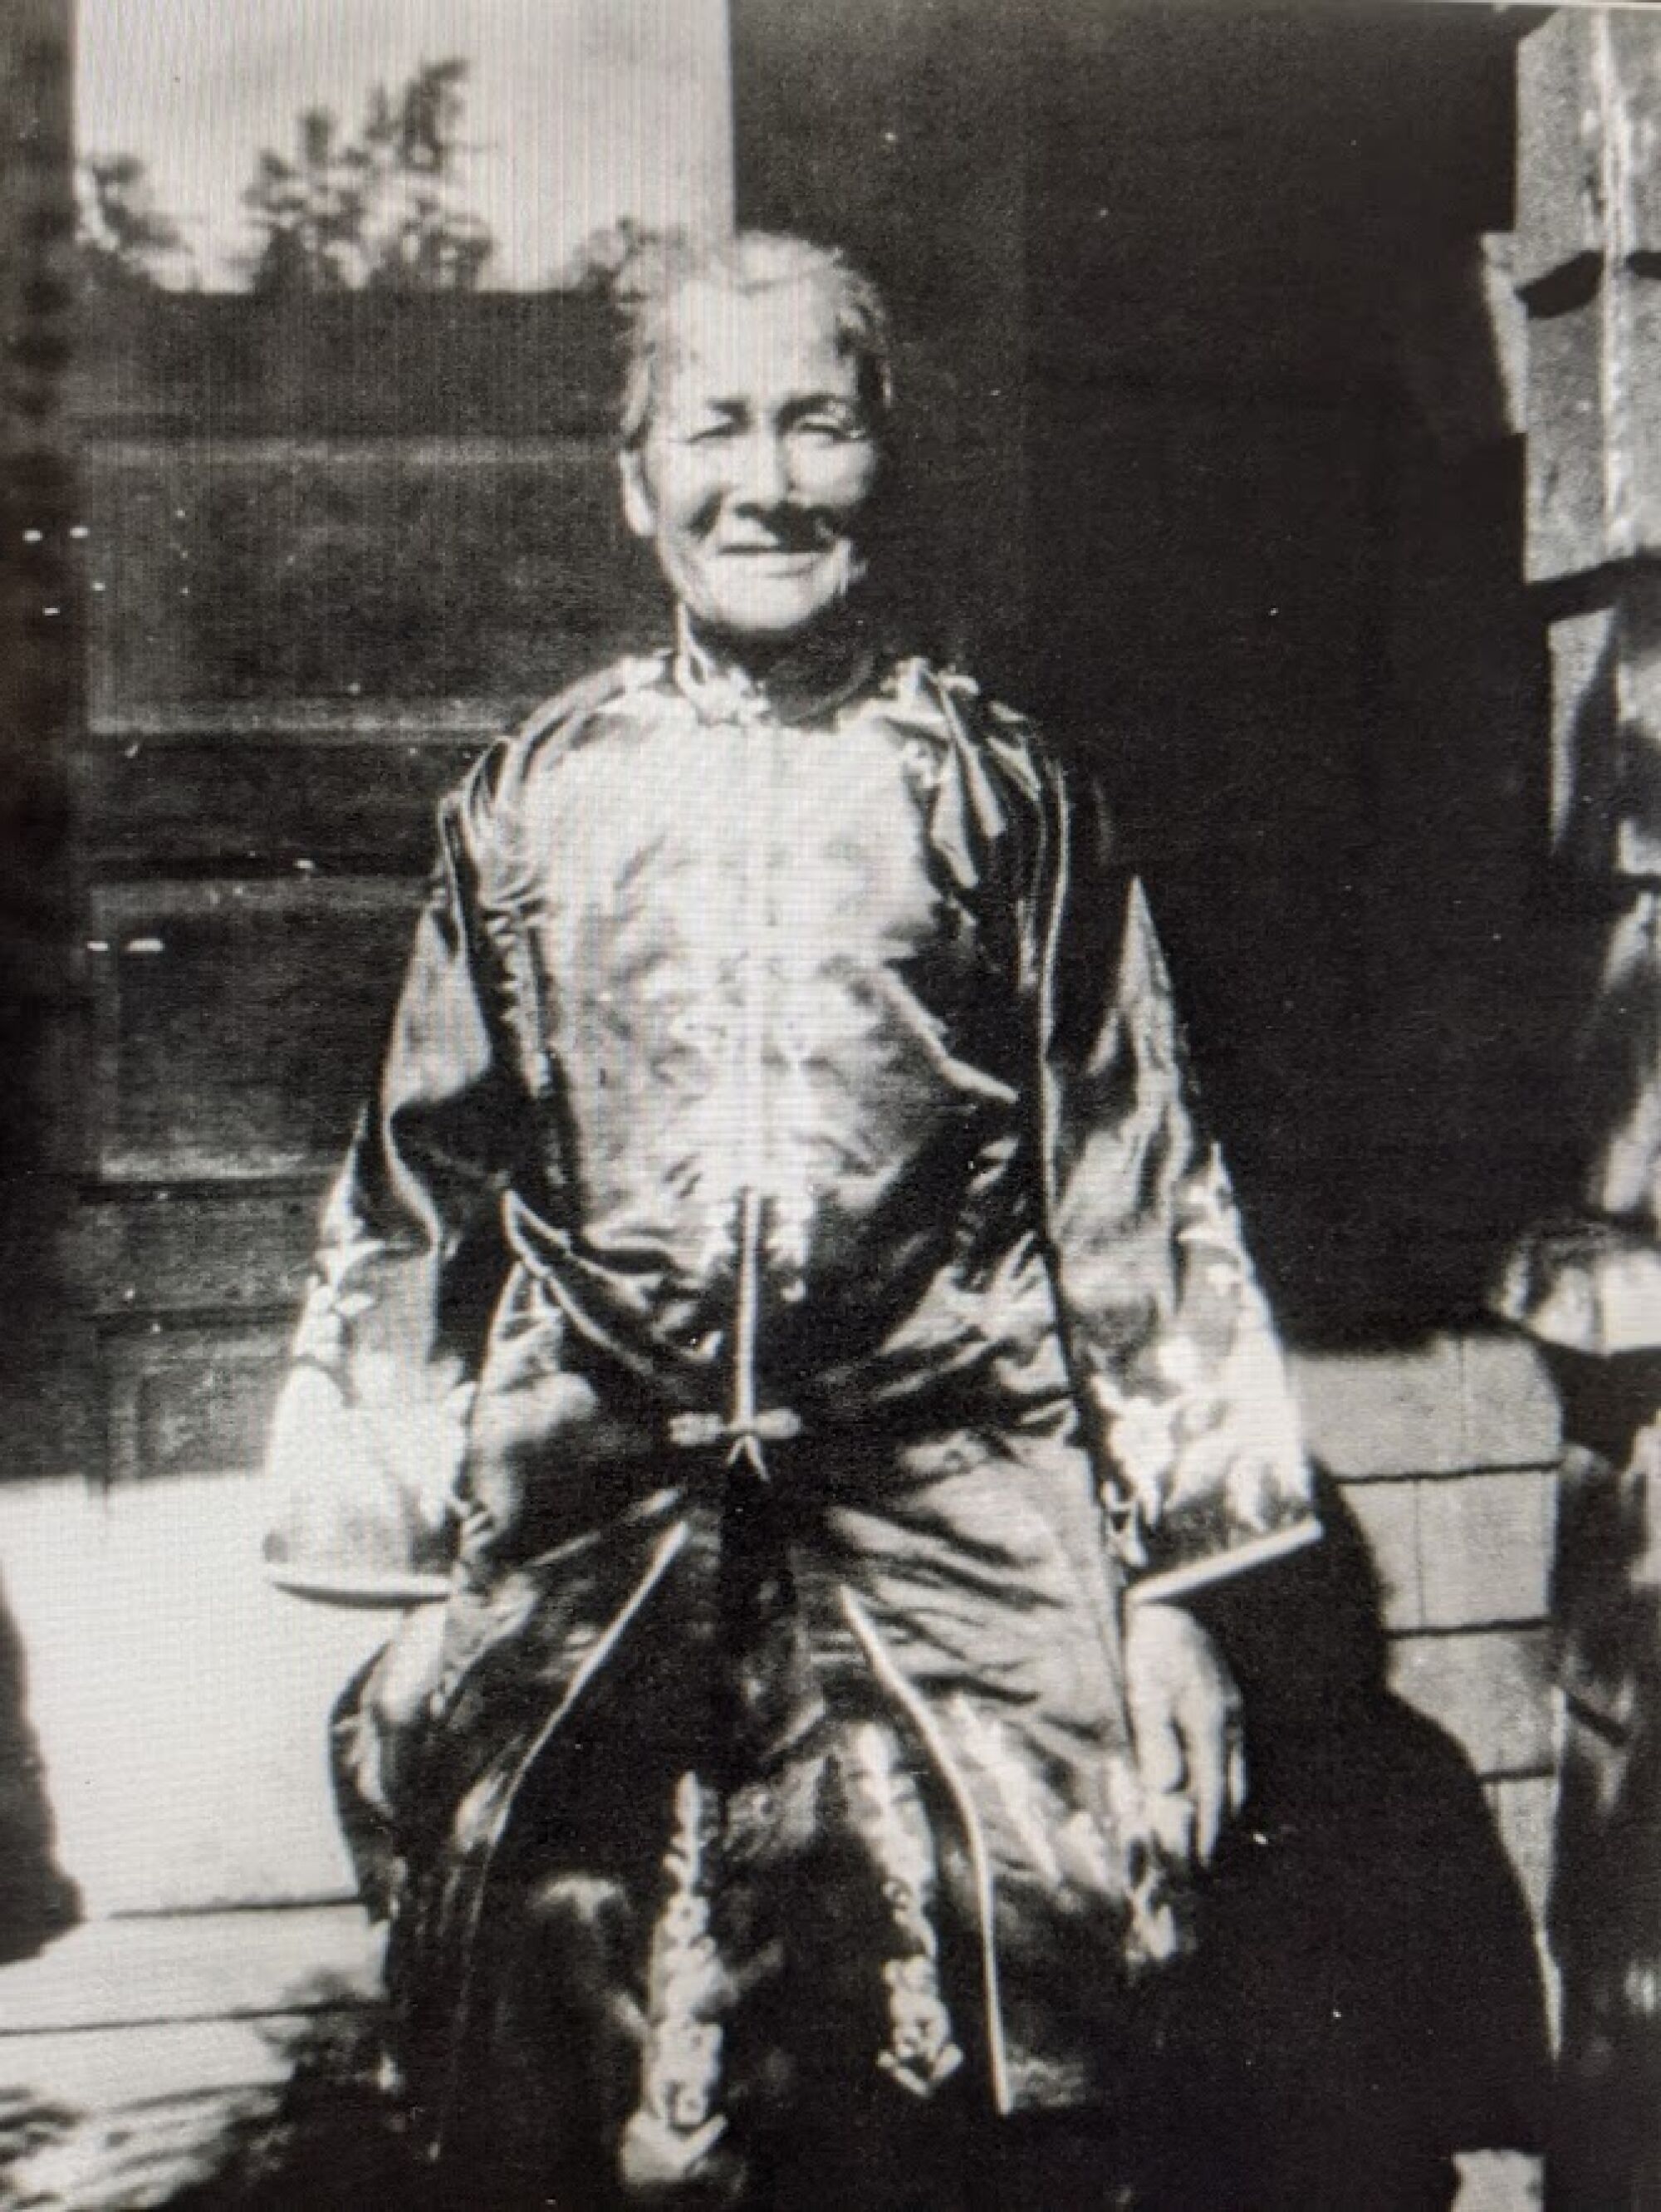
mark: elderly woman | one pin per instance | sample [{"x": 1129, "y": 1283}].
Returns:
[{"x": 784, "y": 1286}]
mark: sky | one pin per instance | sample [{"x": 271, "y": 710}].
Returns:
[{"x": 577, "y": 111}]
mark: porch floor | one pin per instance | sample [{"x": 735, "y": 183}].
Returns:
[
  {"x": 217, "y": 2002},
  {"x": 147, "y": 2060},
  {"x": 180, "y": 1706}
]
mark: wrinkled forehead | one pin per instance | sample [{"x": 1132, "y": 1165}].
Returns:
[{"x": 761, "y": 344}]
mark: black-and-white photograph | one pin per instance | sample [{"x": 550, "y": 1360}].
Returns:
[{"x": 830, "y": 1045}]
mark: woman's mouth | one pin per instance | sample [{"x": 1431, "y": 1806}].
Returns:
[{"x": 787, "y": 559}]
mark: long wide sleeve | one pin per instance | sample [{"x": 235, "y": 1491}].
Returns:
[
  {"x": 370, "y": 1424},
  {"x": 1173, "y": 1352}
]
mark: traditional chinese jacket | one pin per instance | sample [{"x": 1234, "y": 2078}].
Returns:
[{"x": 784, "y": 1270}]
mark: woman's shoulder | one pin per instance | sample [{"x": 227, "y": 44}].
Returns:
[
  {"x": 945, "y": 698},
  {"x": 504, "y": 773},
  {"x": 566, "y": 716},
  {"x": 912, "y": 678}
]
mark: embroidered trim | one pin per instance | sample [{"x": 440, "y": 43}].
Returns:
[
  {"x": 1155, "y": 1930},
  {"x": 749, "y": 1023},
  {"x": 1217, "y": 1430},
  {"x": 676, "y": 2123},
  {"x": 921, "y": 2051},
  {"x": 1217, "y": 1566},
  {"x": 333, "y": 1300},
  {"x": 889, "y": 1674}
]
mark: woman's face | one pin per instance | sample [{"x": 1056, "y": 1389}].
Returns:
[{"x": 758, "y": 462}]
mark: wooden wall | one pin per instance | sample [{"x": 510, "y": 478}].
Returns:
[{"x": 325, "y": 550}]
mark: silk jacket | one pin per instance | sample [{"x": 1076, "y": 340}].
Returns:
[{"x": 783, "y": 1277}]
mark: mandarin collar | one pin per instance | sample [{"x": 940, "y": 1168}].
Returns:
[{"x": 806, "y": 685}]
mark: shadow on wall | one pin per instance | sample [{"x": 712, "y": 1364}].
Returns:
[
  {"x": 1274, "y": 422},
  {"x": 1368, "y": 2000},
  {"x": 37, "y": 1900}
]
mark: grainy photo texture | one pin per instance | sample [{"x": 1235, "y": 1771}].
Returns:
[{"x": 830, "y": 1234}]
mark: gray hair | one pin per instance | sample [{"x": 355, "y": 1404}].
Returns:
[{"x": 659, "y": 270}]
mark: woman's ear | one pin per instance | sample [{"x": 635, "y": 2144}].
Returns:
[{"x": 638, "y": 511}]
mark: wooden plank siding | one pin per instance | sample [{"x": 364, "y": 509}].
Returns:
[{"x": 325, "y": 550}]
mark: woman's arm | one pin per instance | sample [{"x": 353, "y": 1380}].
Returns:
[
  {"x": 1181, "y": 1378},
  {"x": 371, "y": 1421}
]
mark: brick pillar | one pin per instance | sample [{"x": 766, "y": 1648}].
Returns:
[{"x": 1588, "y": 269}]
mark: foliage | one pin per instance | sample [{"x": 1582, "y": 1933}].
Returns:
[
  {"x": 602, "y": 264},
  {"x": 123, "y": 239},
  {"x": 379, "y": 211}
]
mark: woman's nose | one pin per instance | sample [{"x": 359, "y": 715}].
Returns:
[{"x": 763, "y": 475}]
